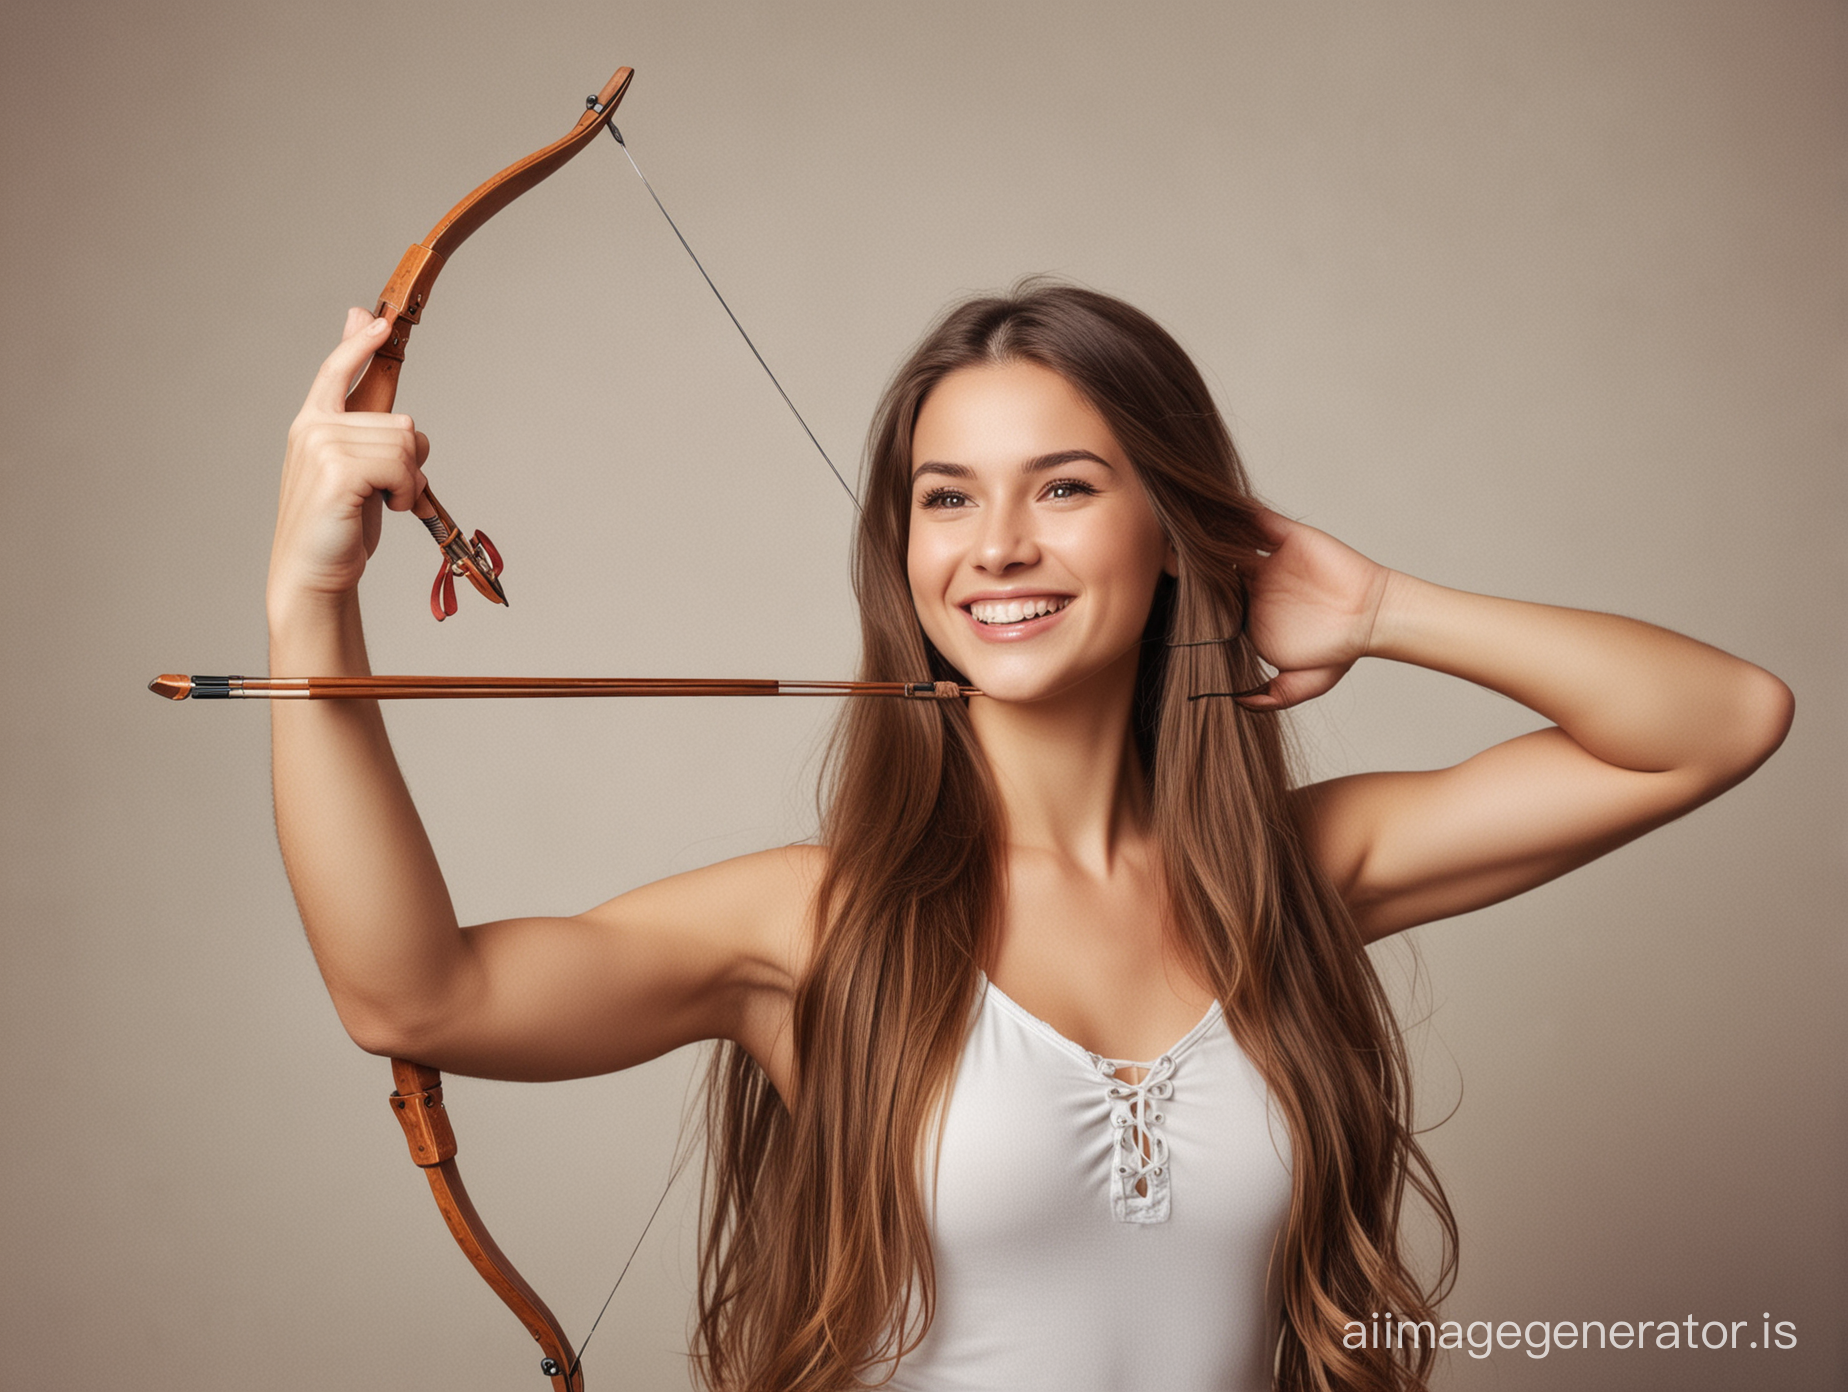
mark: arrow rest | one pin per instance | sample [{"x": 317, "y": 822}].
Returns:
[{"x": 477, "y": 562}]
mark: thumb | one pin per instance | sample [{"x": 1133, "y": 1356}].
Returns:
[
  {"x": 1288, "y": 689},
  {"x": 361, "y": 337}
]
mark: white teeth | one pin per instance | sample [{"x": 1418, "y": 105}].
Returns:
[{"x": 1011, "y": 611}]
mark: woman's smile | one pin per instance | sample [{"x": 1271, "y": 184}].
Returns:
[{"x": 1006, "y": 618}]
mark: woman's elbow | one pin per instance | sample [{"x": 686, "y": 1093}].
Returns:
[
  {"x": 377, "y": 1031},
  {"x": 1756, "y": 725},
  {"x": 1773, "y": 705},
  {"x": 388, "y": 1028}
]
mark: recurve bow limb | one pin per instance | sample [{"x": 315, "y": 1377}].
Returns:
[
  {"x": 403, "y": 300},
  {"x": 417, "y": 1102}
]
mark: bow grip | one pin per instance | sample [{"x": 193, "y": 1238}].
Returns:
[{"x": 418, "y": 1105}]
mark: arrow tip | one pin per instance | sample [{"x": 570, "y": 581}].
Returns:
[{"x": 171, "y": 685}]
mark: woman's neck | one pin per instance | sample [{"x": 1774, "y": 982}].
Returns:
[{"x": 1066, "y": 769}]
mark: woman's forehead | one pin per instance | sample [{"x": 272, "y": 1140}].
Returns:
[{"x": 1007, "y": 414}]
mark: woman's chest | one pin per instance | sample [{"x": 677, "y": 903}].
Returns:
[{"x": 1093, "y": 959}]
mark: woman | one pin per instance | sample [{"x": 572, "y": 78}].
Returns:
[{"x": 1058, "y": 1062}]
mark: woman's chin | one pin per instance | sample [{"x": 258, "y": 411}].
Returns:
[
  {"x": 1026, "y": 684},
  {"x": 1013, "y": 691}
]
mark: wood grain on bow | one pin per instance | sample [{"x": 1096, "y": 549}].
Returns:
[
  {"x": 418, "y": 1098},
  {"x": 403, "y": 300}
]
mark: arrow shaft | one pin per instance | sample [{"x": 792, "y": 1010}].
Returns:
[{"x": 398, "y": 688}]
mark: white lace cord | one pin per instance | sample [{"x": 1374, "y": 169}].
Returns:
[{"x": 1139, "y": 1153}]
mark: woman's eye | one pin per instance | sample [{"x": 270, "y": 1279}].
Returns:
[
  {"x": 1061, "y": 489},
  {"x": 944, "y": 498}
]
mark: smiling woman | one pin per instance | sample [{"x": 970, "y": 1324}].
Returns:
[{"x": 1070, "y": 1000}]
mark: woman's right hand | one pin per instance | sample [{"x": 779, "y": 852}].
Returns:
[{"x": 340, "y": 467}]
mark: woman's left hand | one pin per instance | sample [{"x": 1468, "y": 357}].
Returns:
[{"x": 1313, "y": 603}]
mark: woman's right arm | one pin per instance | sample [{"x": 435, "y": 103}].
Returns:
[{"x": 703, "y": 955}]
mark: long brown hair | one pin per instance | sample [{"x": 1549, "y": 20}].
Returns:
[{"x": 816, "y": 1266}]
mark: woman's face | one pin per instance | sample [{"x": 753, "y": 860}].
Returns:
[{"x": 1034, "y": 553}]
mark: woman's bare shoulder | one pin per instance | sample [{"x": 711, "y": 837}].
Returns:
[{"x": 757, "y": 909}]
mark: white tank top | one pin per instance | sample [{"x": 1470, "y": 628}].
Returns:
[{"x": 1090, "y": 1232}]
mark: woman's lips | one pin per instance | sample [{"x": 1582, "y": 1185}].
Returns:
[{"x": 1013, "y": 618}]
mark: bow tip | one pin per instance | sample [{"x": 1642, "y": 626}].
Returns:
[{"x": 171, "y": 685}]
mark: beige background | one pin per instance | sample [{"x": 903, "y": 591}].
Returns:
[{"x": 1541, "y": 299}]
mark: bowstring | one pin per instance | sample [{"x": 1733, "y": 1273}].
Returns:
[
  {"x": 700, "y": 267},
  {"x": 577, "y": 1359}
]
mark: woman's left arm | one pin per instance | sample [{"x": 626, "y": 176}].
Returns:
[{"x": 1647, "y": 724}]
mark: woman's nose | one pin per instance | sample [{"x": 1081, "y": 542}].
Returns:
[{"x": 1007, "y": 541}]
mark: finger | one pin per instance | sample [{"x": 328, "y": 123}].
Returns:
[
  {"x": 1288, "y": 689},
  {"x": 404, "y": 498},
  {"x": 328, "y": 393},
  {"x": 382, "y": 467}
]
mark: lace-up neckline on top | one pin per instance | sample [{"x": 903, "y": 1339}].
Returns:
[{"x": 1140, "y": 1169}]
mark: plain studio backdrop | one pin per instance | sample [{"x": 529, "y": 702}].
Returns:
[{"x": 1543, "y": 300}]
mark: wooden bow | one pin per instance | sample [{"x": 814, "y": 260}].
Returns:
[{"x": 417, "y": 1099}]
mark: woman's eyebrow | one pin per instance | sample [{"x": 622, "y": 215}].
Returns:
[
  {"x": 1059, "y": 458},
  {"x": 934, "y": 466},
  {"x": 1038, "y": 464}
]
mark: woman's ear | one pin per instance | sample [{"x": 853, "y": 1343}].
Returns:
[{"x": 1171, "y": 563}]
